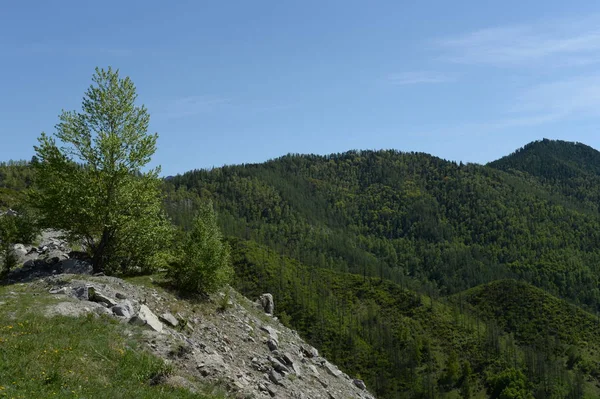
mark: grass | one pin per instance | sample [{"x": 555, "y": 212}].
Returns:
[{"x": 69, "y": 357}]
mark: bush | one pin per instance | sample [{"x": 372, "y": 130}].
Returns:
[
  {"x": 203, "y": 265},
  {"x": 14, "y": 229}
]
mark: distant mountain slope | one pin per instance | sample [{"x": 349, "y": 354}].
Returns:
[
  {"x": 569, "y": 168},
  {"x": 532, "y": 314},
  {"x": 407, "y": 345},
  {"x": 405, "y": 216}
]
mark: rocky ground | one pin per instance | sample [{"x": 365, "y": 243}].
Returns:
[{"x": 227, "y": 340}]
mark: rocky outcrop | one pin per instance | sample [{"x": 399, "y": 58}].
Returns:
[
  {"x": 241, "y": 346},
  {"x": 252, "y": 355},
  {"x": 267, "y": 303},
  {"x": 52, "y": 256}
]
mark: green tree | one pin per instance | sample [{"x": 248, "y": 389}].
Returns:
[
  {"x": 8, "y": 236},
  {"x": 93, "y": 185},
  {"x": 204, "y": 263}
]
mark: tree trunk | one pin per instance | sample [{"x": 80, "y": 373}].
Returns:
[{"x": 98, "y": 259}]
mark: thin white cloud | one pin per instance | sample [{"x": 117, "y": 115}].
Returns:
[
  {"x": 567, "y": 42},
  {"x": 572, "y": 97},
  {"x": 419, "y": 77},
  {"x": 542, "y": 104}
]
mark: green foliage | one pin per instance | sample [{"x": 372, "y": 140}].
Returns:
[
  {"x": 91, "y": 184},
  {"x": 509, "y": 384},
  {"x": 565, "y": 168},
  {"x": 8, "y": 237},
  {"x": 20, "y": 228},
  {"x": 204, "y": 264},
  {"x": 405, "y": 217}
]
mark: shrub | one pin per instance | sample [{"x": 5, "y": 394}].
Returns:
[{"x": 203, "y": 265}]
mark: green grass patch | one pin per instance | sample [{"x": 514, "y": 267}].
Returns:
[{"x": 68, "y": 357}]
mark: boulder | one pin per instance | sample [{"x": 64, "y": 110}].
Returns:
[
  {"x": 360, "y": 384},
  {"x": 267, "y": 303},
  {"x": 146, "y": 318},
  {"x": 20, "y": 250},
  {"x": 271, "y": 331},
  {"x": 75, "y": 266},
  {"x": 96, "y": 296},
  {"x": 275, "y": 377},
  {"x": 309, "y": 351},
  {"x": 123, "y": 309},
  {"x": 331, "y": 369},
  {"x": 169, "y": 319},
  {"x": 272, "y": 344},
  {"x": 82, "y": 292},
  {"x": 278, "y": 366}
]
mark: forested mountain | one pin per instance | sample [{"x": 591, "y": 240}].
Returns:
[
  {"x": 405, "y": 268},
  {"x": 15, "y": 176},
  {"x": 424, "y": 277},
  {"x": 407, "y": 216},
  {"x": 571, "y": 169}
]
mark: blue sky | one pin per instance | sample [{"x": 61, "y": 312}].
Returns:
[{"x": 237, "y": 81}]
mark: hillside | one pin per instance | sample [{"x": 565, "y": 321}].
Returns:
[
  {"x": 410, "y": 218},
  {"x": 71, "y": 335},
  {"x": 406, "y": 344},
  {"x": 571, "y": 169},
  {"x": 423, "y": 277}
]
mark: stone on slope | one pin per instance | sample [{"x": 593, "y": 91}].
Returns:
[
  {"x": 331, "y": 369},
  {"x": 146, "y": 318},
  {"x": 123, "y": 309},
  {"x": 359, "y": 384},
  {"x": 266, "y": 300},
  {"x": 169, "y": 319},
  {"x": 272, "y": 344},
  {"x": 309, "y": 351},
  {"x": 76, "y": 266},
  {"x": 96, "y": 296},
  {"x": 271, "y": 331}
]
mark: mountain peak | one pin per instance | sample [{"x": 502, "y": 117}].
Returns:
[{"x": 547, "y": 157}]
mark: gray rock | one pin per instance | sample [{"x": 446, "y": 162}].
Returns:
[
  {"x": 331, "y": 369},
  {"x": 271, "y": 331},
  {"x": 123, "y": 309},
  {"x": 81, "y": 293},
  {"x": 146, "y": 318},
  {"x": 169, "y": 319},
  {"x": 309, "y": 351},
  {"x": 76, "y": 266},
  {"x": 288, "y": 359},
  {"x": 272, "y": 344},
  {"x": 359, "y": 384},
  {"x": 61, "y": 290},
  {"x": 119, "y": 295},
  {"x": 274, "y": 377},
  {"x": 96, "y": 296},
  {"x": 272, "y": 391},
  {"x": 267, "y": 303},
  {"x": 20, "y": 250},
  {"x": 278, "y": 366}
]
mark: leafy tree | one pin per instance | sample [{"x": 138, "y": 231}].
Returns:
[
  {"x": 8, "y": 236},
  {"x": 93, "y": 187},
  {"x": 204, "y": 264}
]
